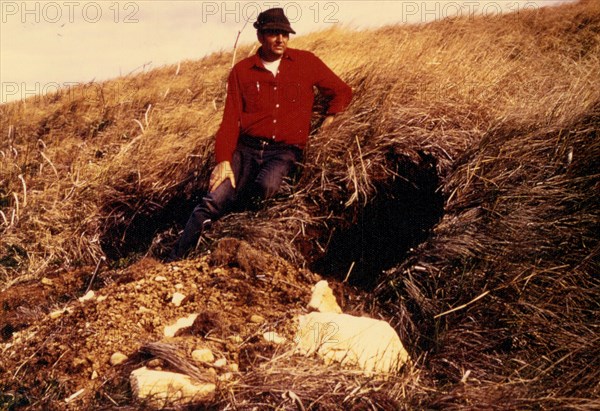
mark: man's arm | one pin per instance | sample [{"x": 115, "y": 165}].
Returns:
[
  {"x": 332, "y": 87},
  {"x": 229, "y": 130},
  {"x": 227, "y": 135}
]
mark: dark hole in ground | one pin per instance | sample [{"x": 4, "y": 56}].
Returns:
[
  {"x": 397, "y": 219},
  {"x": 127, "y": 240}
]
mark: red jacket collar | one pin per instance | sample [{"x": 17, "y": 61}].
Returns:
[{"x": 257, "y": 61}]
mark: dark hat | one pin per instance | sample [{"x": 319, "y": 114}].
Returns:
[{"x": 273, "y": 19}]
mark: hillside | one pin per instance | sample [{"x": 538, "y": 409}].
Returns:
[{"x": 457, "y": 198}]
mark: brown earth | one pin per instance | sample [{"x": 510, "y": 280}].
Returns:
[{"x": 57, "y": 357}]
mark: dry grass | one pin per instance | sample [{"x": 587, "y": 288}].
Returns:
[{"x": 505, "y": 110}]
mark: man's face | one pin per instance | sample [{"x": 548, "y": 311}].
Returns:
[{"x": 274, "y": 43}]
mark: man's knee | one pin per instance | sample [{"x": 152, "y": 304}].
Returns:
[
  {"x": 217, "y": 202},
  {"x": 270, "y": 179}
]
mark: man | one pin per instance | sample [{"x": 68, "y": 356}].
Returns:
[{"x": 265, "y": 124}]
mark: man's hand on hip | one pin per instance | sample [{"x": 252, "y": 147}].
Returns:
[{"x": 220, "y": 173}]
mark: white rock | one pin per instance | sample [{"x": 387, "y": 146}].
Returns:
[
  {"x": 226, "y": 376},
  {"x": 74, "y": 396},
  {"x": 203, "y": 355},
  {"x": 162, "y": 388},
  {"x": 117, "y": 358},
  {"x": 56, "y": 314},
  {"x": 236, "y": 339},
  {"x": 177, "y": 299},
  {"x": 273, "y": 337},
  {"x": 101, "y": 298},
  {"x": 322, "y": 299},
  {"x": 171, "y": 330},
  {"x": 179, "y": 286},
  {"x": 221, "y": 362},
  {"x": 365, "y": 343},
  {"x": 160, "y": 278},
  {"x": 88, "y": 296}
]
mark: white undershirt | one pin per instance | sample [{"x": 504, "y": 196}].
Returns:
[{"x": 272, "y": 66}]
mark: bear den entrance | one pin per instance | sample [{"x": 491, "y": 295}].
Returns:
[{"x": 399, "y": 217}]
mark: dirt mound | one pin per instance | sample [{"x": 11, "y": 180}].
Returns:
[{"x": 225, "y": 289}]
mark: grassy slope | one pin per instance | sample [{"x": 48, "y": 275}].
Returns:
[
  {"x": 499, "y": 102},
  {"x": 133, "y": 143}
]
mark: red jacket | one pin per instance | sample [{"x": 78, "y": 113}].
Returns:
[{"x": 279, "y": 108}]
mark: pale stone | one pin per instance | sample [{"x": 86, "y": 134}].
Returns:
[
  {"x": 117, "y": 358},
  {"x": 226, "y": 376},
  {"x": 179, "y": 286},
  {"x": 56, "y": 314},
  {"x": 94, "y": 375},
  {"x": 88, "y": 296},
  {"x": 236, "y": 339},
  {"x": 203, "y": 355},
  {"x": 160, "y": 278},
  {"x": 47, "y": 281},
  {"x": 221, "y": 362},
  {"x": 74, "y": 396},
  {"x": 162, "y": 388},
  {"x": 233, "y": 367},
  {"x": 171, "y": 330},
  {"x": 177, "y": 299},
  {"x": 368, "y": 344},
  {"x": 322, "y": 299},
  {"x": 257, "y": 319},
  {"x": 273, "y": 337},
  {"x": 101, "y": 298}
]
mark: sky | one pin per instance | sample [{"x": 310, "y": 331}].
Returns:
[{"x": 46, "y": 45}]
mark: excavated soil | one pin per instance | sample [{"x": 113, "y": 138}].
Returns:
[{"x": 238, "y": 293}]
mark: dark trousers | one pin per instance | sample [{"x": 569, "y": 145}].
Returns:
[{"x": 259, "y": 168}]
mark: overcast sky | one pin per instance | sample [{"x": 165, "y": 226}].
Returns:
[{"x": 49, "y": 44}]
